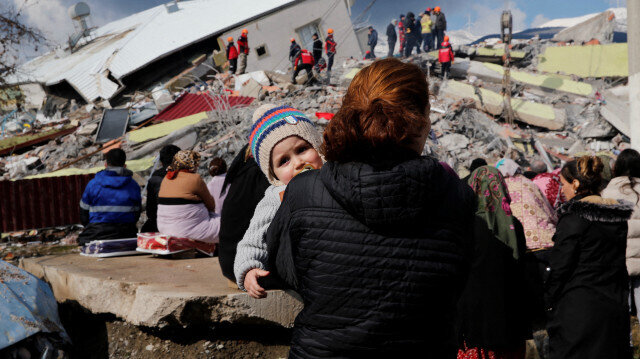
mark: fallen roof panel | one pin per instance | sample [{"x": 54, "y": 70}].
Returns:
[
  {"x": 165, "y": 128},
  {"x": 10, "y": 144},
  {"x": 133, "y": 165},
  {"x": 190, "y": 103},
  {"x": 121, "y": 47}
]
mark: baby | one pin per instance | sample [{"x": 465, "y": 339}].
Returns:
[{"x": 284, "y": 142}]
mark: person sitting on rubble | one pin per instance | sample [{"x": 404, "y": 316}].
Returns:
[
  {"x": 493, "y": 310},
  {"x": 218, "y": 172},
  {"x": 446, "y": 57},
  {"x": 232, "y": 55},
  {"x": 475, "y": 164},
  {"x": 284, "y": 143},
  {"x": 111, "y": 202},
  {"x": 305, "y": 62},
  {"x": 376, "y": 241},
  {"x": 185, "y": 206},
  {"x": 153, "y": 187},
  {"x": 536, "y": 168}
]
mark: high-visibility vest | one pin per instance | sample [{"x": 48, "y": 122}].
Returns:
[{"x": 426, "y": 24}]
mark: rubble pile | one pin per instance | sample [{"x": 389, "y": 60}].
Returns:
[{"x": 564, "y": 105}]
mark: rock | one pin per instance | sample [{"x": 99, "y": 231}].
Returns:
[
  {"x": 149, "y": 347},
  {"x": 454, "y": 141}
]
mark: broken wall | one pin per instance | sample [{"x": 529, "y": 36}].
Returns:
[{"x": 274, "y": 31}]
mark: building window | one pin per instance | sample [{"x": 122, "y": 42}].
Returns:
[
  {"x": 306, "y": 32},
  {"x": 262, "y": 51}
]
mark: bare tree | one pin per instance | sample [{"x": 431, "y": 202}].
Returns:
[{"x": 15, "y": 37}]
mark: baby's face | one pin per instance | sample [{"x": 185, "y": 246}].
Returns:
[{"x": 290, "y": 156}]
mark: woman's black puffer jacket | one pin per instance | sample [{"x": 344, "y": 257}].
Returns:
[{"x": 378, "y": 254}]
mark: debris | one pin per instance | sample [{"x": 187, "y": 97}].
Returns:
[
  {"x": 599, "y": 28},
  {"x": 586, "y": 61}
]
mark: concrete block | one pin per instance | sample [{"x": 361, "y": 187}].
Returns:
[
  {"x": 494, "y": 73},
  {"x": 535, "y": 114},
  {"x": 599, "y": 27},
  {"x": 586, "y": 61},
  {"x": 616, "y": 110},
  {"x": 156, "y": 292}
]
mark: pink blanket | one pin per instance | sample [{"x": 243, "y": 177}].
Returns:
[{"x": 193, "y": 221}]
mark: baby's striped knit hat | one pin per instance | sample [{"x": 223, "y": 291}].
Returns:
[{"x": 272, "y": 124}]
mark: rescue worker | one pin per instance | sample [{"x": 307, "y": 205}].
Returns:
[
  {"x": 401, "y": 34},
  {"x": 413, "y": 35},
  {"x": 440, "y": 25},
  {"x": 427, "y": 39},
  {"x": 232, "y": 55},
  {"x": 372, "y": 41},
  {"x": 445, "y": 57},
  {"x": 294, "y": 50},
  {"x": 243, "y": 49},
  {"x": 330, "y": 48},
  {"x": 304, "y": 61},
  {"x": 368, "y": 56},
  {"x": 317, "y": 48},
  {"x": 392, "y": 37}
]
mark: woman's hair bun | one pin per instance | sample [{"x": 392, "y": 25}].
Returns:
[{"x": 590, "y": 166}]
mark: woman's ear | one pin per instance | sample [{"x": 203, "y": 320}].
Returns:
[{"x": 575, "y": 185}]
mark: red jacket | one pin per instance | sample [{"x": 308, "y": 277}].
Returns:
[
  {"x": 446, "y": 53},
  {"x": 232, "y": 52},
  {"x": 243, "y": 44},
  {"x": 306, "y": 58},
  {"x": 330, "y": 45}
]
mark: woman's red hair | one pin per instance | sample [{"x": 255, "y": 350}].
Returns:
[{"x": 386, "y": 108}]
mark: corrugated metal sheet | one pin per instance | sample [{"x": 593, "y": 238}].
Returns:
[
  {"x": 41, "y": 203},
  {"x": 190, "y": 103},
  {"x": 126, "y": 45}
]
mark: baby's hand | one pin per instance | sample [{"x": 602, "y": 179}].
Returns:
[{"x": 251, "y": 283}]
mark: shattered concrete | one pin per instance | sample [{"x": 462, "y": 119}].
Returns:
[{"x": 156, "y": 292}]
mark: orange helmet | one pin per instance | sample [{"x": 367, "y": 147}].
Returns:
[
  {"x": 436, "y": 9},
  {"x": 330, "y": 31},
  {"x": 245, "y": 31},
  {"x": 446, "y": 38},
  {"x": 229, "y": 39},
  {"x": 293, "y": 40}
]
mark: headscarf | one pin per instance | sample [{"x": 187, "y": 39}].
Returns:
[
  {"x": 183, "y": 161},
  {"x": 508, "y": 167},
  {"x": 494, "y": 205},
  {"x": 551, "y": 187}
]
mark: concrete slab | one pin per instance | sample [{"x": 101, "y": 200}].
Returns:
[
  {"x": 156, "y": 292},
  {"x": 165, "y": 128},
  {"x": 494, "y": 73},
  {"x": 536, "y": 114},
  {"x": 586, "y": 61},
  {"x": 616, "y": 110},
  {"x": 599, "y": 27}
]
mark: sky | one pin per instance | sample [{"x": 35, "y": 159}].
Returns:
[{"x": 481, "y": 16}]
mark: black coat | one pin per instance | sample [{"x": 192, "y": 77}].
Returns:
[
  {"x": 294, "y": 50},
  {"x": 372, "y": 39},
  {"x": 587, "y": 289},
  {"x": 317, "y": 49},
  {"x": 494, "y": 307},
  {"x": 378, "y": 254},
  {"x": 245, "y": 185},
  {"x": 153, "y": 188},
  {"x": 391, "y": 33},
  {"x": 441, "y": 22}
]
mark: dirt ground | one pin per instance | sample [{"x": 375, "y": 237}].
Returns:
[{"x": 104, "y": 337}]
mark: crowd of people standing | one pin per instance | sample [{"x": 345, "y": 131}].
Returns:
[{"x": 392, "y": 253}]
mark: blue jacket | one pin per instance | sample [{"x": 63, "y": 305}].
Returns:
[
  {"x": 111, "y": 197},
  {"x": 373, "y": 38}
]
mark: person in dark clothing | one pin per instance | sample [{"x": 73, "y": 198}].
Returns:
[
  {"x": 294, "y": 51},
  {"x": 244, "y": 187},
  {"x": 330, "y": 48},
  {"x": 305, "y": 62},
  {"x": 111, "y": 202},
  {"x": 475, "y": 164},
  {"x": 153, "y": 187},
  {"x": 413, "y": 34},
  {"x": 493, "y": 309},
  {"x": 392, "y": 37},
  {"x": 587, "y": 290},
  {"x": 439, "y": 27},
  {"x": 372, "y": 41},
  {"x": 317, "y": 49},
  {"x": 375, "y": 242},
  {"x": 232, "y": 55}
]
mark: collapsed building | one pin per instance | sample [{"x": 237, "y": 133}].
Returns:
[{"x": 568, "y": 95}]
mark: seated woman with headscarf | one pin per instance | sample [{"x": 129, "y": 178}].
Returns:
[{"x": 185, "y": 206}]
